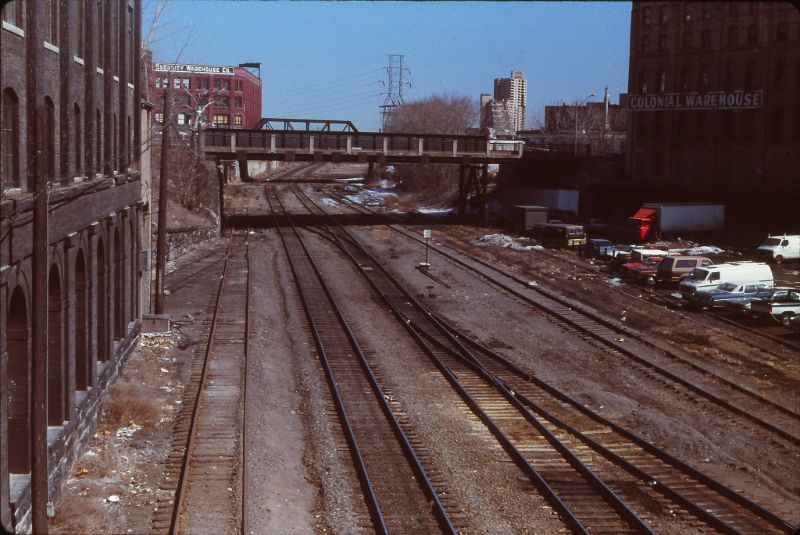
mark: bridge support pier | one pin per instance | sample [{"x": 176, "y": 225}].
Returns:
[
  {"x": 472, "y": 186},
  {"x": 370, "y": 172},
  {"x": 241, "y": 158}
]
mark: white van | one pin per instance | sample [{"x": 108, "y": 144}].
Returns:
[
  {"x": 780, "y": 248},
  {"x": 709, "y": 277}
]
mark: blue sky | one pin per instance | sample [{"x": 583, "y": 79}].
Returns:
[{"x": 325, "y": 59}]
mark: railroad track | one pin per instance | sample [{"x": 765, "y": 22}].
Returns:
[
  {"x": 203, "y": 472},
  {"x": 568, "y": 426},
  {"x": 398, "y": 492},
  {"x": 191, "y": 272},
  {"x": 685, "y": 376}
]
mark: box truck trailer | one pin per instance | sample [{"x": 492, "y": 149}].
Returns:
[{"x": 655, "y": 219}]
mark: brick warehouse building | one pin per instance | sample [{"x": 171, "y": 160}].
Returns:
[
  {"x": 206, "y": 95},
  {"x": 69, "y": 295},
  {"x": 713, "y": 94}
]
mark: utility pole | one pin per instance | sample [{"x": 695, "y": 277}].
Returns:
[
  {"x": 394, "y": 87},
  {"x": 161, "y": 243}
]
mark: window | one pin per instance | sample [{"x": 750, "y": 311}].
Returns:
[
  {"x": 703, "y": 80},
  {"x": 643, "y": 81},
  {"x": 645, "y": 43},
  {"x": 686, "y": 40},
  {"x": 237, "y": 85},
  {"x": 687, "y": 12},
  {"x": 51, "y": 21},
  {"x": 238, "y": 102},
  {"x": 752, "y": 34},
  {"x": 750, "y": 75},
  {"x": 663, "y": 14},
  {"x": 705, "y": 39},
  {"x": 9, "y": 140},
  {"x": 12, "y": 13},
  {"x": 237, "y": 120},
  {"x": 159, "y": 117},
  {"x": 78, "y": 139},
  {"x": 223, "y": 102},
  {"x": 185, "y": 83},
  {"x": 222, "y": 84},
  {"x": 777, "y": 73},
  {"x": 733, "y": 36},
  {"x": 662, "y": 82},
  {"x": 78, "y": 29},
  {"x": 49, "y": 149},
  {"x": 181, "y": 118},
  {"x": 220, "y": 120},
  {"x": 777, "y": 126},
  {"x": 158, "y": 83},
  {"x": 782, "y": 32},
  {"x": 176, "y": 83},
  {"x": 662, "y": 41},
  {"x": 101, "y": 34},
  {"x": 647, "y": 15}
]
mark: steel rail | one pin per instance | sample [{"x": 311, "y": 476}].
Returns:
[
  {"x": 625, "y": 513},
  {"x": 704, "y": 513},
  {"x": 575, "y": 309},
  {"x": 174, "y": 286},
  {"x": 180, "y": 490},
  {"x": 415, "y": 464},
  {"x": 698, "y": 510},
  {"x": 203, "y": 381}
]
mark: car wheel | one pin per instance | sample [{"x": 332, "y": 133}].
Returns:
[
  {"x": 786, "y": 319},
  {"x": 778, "y": 259}
]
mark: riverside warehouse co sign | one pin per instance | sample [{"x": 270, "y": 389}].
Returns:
[
  {"x": 715, "y": 100},
  {"x": 194, "y": 69}
]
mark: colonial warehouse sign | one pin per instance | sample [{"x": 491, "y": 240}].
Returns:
[
  {"x": 714, "y": 100},
  {"x": 195, "y": 69}
]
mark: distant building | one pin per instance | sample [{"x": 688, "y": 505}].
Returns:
[
  {"x": 206, "y": 95},
  {"x": 713, "y": 95},
  {"x": 514, "y": 90},
  {"x": 505, "y": 113}
]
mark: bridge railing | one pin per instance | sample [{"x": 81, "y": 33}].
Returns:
[{"x": 272, "y": 141}]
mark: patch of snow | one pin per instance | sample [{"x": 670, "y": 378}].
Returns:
[
  {"x": 441, "y": 212},
  {"x": 615, "y": 281},
  {"x": 346, "y": 180},
  {"x": 385, "y": 183},
  {"x": 327, "y": 201},
  {"x": 503, "y": 240},
  {"x": 676, "y": 295},
  {"x": 700, "y": 250}
]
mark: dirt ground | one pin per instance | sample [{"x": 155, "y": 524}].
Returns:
[{"x": 299, "y": 474}]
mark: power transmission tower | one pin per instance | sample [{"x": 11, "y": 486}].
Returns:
[{"x": 394, "y": 87}]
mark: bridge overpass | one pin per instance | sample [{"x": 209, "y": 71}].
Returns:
[{"x": 351, "y": 146}]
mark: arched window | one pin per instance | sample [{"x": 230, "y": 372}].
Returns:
[
  {"x": 83, "y": 371},
  {"x": 663, "y": 14},
  {"x": 643, "y": 81},
  {"x": 56, "y": 363},
  {"x": 78, "y": 139},
  {"x": 19, "y": 384},
  {"x": 49, "y": 134},
  {"x": 51, "y": 14},
  {"x": 102, "y": 305},
  {"x": 9, "y": 140}
]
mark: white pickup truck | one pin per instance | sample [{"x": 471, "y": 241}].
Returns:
[{"x": 782, "y": 305}]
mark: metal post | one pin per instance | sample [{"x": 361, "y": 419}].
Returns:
[
  {"x": 576, "y": 129},
  {"x": 161, "y": 244},
  {"x": 461, "y": 192}
]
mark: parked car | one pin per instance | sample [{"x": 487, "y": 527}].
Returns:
[
  {"x": 643, "y": 271},
  {"x": 597, "y": 247},
  {"x": 780, "y": 248},
  {"x": 675, "y": 268},
  {"x": 638, "y": 257},
  {"x": 782, "y": 305},
  {"x": 709, "y": 277},
  {"x": 729, "y": 290}
]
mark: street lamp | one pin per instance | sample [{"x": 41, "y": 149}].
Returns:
[{"x": 576, "y": 122}]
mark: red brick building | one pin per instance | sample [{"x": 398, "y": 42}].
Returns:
[
  {"x": 206, "y": 95},
  {"x": 713, "y": 97}
]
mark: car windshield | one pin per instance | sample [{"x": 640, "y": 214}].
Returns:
[
  {"x": 602, "y": 243},
  {"x": 772, "y": 241},
  {"x": 727, "y": 286},
  {"x": 699, "y": 274}
]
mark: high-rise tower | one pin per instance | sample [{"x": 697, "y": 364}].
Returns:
[{"x": 514, "y": 90}]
